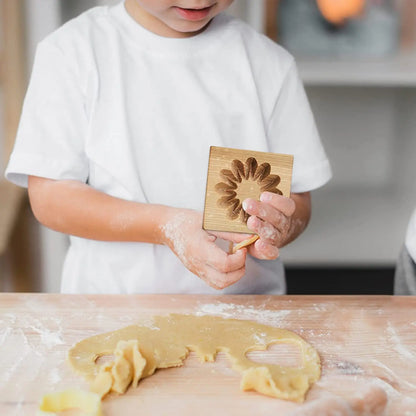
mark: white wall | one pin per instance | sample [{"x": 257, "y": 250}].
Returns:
[{"x": 360, "y": 217}]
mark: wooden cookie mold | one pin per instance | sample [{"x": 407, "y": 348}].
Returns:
[{"x": 235, "y": 175}]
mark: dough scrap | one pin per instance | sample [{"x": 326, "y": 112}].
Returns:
[
  {"x": 244, "y": 243},
  {"x": 125, "y": 370},
  {"x": 140, "y": 350},
  {"x": 89, "y": 403}
]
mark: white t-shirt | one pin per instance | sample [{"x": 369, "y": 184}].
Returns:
[
  {"x": 133, "y": 114},
  {"x": 411, "y": 236}
]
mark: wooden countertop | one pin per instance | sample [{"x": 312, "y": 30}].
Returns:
[{"x": 363, "y": 342}]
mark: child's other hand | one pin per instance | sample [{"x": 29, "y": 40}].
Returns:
[
  {"x": 270, "y": 218},
  {"x": 197, "y": 250}
]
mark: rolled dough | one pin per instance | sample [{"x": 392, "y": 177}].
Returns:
[{"x": 139, "y": 350}]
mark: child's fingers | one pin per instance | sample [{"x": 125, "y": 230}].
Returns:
[
  {"x": 224, "y": 262},
  {"x": 217, "y": 268},
  {"x": 267, "y": 213},
  {"x": 286, "y": 205},
  {"x": 222, "y": 269},
  {"x": 219, "y": 280},
  {"x": 265, "y": 230},
  {"x": 263, "y": 251}
]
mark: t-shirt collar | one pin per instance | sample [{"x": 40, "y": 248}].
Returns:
[{"x": 211, "y": 37}]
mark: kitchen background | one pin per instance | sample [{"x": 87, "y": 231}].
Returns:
[{"x": 360, "y": 77}]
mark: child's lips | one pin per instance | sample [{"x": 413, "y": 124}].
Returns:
[{"x": 193, "y": 14}]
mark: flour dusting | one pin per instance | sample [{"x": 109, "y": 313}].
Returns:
[
  {"x": 349, "y": 368},
  {"x": 173, "y": 232},
  {"x": 400, "y": 348},
  {"x": 260, "y": 338},
  {"x": 4, "y": 334},
  {"x": 16, "y": 357},
  {"x": 49, "y": 338},
  {"x": 149, "y": 322},
  {"x": 231, "y": 310},
  {"x": 391, "y": 375},
  {"x": 54, "y": 376}
]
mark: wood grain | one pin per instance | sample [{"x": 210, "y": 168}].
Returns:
[
  {"x": 362, "y": 340},
  {"x": 234, "y": 175}
]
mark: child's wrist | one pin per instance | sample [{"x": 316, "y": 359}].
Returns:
[{"x": 167, "y": 225}]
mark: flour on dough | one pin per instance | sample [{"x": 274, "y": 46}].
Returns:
[{"x": 140, "y": 350}]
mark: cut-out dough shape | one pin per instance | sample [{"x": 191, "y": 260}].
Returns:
[
  {"x": 244, "y": 243},
  {"x": 54, "y": 403},
  {"x": 140, "y": 350}
]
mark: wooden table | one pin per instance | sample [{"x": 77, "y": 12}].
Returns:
[{"x": 363, "y": 341}]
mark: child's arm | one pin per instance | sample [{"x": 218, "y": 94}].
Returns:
[
  {"x": 72, "y": 207},
  {"x": 277, "y": 220}
]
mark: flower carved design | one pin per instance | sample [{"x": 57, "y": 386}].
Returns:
[{"x": 242, "y": 181}]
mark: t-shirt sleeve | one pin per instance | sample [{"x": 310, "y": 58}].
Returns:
[
  {"x": 292, "y": 130},
  {"x": 53, "y": 124}
]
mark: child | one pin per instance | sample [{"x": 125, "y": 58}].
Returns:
[
  {"x": 405, "y": 275},
  {"x": 123, "y": 105}
]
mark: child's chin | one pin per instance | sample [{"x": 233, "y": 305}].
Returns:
[{"x": 189, "y": 28}]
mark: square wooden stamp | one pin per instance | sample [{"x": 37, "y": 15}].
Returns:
[{"x": 233, "y": 176}]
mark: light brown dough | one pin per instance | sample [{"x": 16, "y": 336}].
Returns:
[
  {"x": 140, "y": 350},
  {"x": 127, "y": 368},
  {"x": 244, "y": 243}
]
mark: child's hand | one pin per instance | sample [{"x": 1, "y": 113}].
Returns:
[
  {"x": 197, "y": 250},
  {"x": 271, "y": 219}
]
